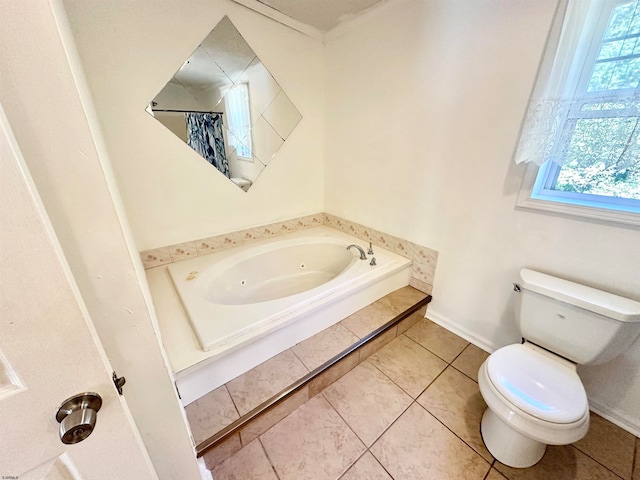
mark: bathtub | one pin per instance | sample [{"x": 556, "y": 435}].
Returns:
[{"x": 246, "y": 304}]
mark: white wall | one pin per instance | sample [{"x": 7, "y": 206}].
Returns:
[
  {"x": 46, "y": 102},
  {"x": 424, "y": 103},
  {"x": 129, "y": 51}
]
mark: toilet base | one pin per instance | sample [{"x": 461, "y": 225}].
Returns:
[{"x": 507, "y": 445}]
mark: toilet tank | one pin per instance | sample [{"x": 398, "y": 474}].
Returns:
[{"x": 583, "y": 324}]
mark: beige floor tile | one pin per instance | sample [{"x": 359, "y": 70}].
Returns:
[
  {"x": 249, "y": 463},
  {"x": 313, "y": 443},
  {"x": 260, "y": 383},
  {"x": 560, "y": 463},
  {"x": 402, "y": 299},
  {"x": 411, "y": 366},
  {"x": 495, "y": 475},
  {"x": 417, "y": 447},
  {"x": 455, "y": 400},
  {"x": 365, "y": 321},
  {"x": 609, "y": 445},
  {"x": 211, "y": 413},
  {"x": 636, "y": 472},
  {"x": 469, "y": 361},
  {"x": 437, "y": 339},
  {"x": 323, "y": 346},
  {"x": 366, "y": 468},
  {"x": 367, "y": 400}
]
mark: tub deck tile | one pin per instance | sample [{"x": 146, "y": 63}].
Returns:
[
  {"x": 323, "y": 346},
  {"x": 211, "y": 413},
  {"x": 262, "y": 382},
  {"x": 371, "y": 317}
]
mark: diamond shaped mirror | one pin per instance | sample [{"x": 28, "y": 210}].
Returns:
[{"x": 225, "y": 105}]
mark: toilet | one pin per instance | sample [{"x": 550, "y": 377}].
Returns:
[{"x": 533, "y": 393}]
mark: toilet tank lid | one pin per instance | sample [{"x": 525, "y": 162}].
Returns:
[{"x": 592, "y": 299}]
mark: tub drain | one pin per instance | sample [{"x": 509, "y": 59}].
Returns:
[{"x": 243, "y": 283}]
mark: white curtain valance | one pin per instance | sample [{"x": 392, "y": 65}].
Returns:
[{"x": 561, "y": 112}]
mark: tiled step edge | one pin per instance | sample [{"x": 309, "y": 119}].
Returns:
[{"x": 227, "y": 441}]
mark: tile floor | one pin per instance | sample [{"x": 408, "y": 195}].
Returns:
[
  {"x": 412, "y": 411},
  {"x": 211, "y": 413}
]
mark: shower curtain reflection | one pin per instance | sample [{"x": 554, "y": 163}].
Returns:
[{"x": 204, "y": 135}]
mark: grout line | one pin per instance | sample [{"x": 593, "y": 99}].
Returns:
[
  {"x": 351, "y": 331},
  {"x": 384, "y": 430},
  {"x": 466, "y": 375},
  {"x": 273, "y": 467},
  {"x": 597, "y": 461},
  {"x": 232, "y": 400},
  {"x": 425, "y": 319},
  {"x": 380, "y": 463},
  {"x": 299, "y": 359},
  {"x": 461, "y": 351},
  {"x": 352, "y": 464},
  {"x": 457, "y": 436},
  {"x": 344, "y": 420}
]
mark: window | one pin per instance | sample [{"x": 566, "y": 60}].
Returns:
[
  {"x": 239, "y": 120},
  {"x": 591, "y": 158}
]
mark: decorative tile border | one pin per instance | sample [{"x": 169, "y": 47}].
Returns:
[
  {"x": 203, "y": 246},
  {"x": 424, "y": 258}
]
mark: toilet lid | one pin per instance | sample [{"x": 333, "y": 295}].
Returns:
[{"x": 538, "y": 384}]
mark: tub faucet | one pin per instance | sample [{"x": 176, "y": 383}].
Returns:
[{"x": 363, "y": 256}]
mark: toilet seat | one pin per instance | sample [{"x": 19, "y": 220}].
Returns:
[
  {"x": 538, "y": 383},
  {"x": 526, "y": 424}
]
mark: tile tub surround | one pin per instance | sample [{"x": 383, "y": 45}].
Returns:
[
  {"x": 388, "y": 420},
  {"x": 270, "y": 391},
  {"x": 424, "y": 258}
]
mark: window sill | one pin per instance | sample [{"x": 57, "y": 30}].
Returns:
[{"x": 602, "y": 214}]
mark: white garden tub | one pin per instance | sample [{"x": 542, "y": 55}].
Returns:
[{"x": 239, "y": 301}]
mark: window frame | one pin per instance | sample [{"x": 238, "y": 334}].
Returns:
[
  {"x": 583, "y": 209},
  {"x": 536, "y": 191}
]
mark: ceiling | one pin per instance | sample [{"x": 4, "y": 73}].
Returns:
[{"x": 321, "y": 14}]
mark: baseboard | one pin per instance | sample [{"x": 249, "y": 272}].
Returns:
[
  {"x": 463, "y": 332},
  {"x": 620, "y": 419},
  {"x": 617, "y": 418}
]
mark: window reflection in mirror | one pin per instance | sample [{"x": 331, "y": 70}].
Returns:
[{"x": 226, "y": 106}]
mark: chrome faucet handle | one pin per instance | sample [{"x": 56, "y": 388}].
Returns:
[{"x": 370, "y": 252}]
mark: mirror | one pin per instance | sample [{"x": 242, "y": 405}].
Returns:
[{"x": 225, "y": 105}]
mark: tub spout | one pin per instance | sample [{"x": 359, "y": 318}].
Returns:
[{"x": 363, "y": 256}]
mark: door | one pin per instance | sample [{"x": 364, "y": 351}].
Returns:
[{"x": 49, "y": 350}]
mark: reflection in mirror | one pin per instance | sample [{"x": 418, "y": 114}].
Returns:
[{"x": 225, "y": 105}]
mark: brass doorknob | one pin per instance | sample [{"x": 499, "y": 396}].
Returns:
[{"x": 77, "y": 417}]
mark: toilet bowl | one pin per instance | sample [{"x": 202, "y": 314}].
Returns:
[
  {"x": 533, "y": 392},
  {"x": 535, "y": 399}
]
